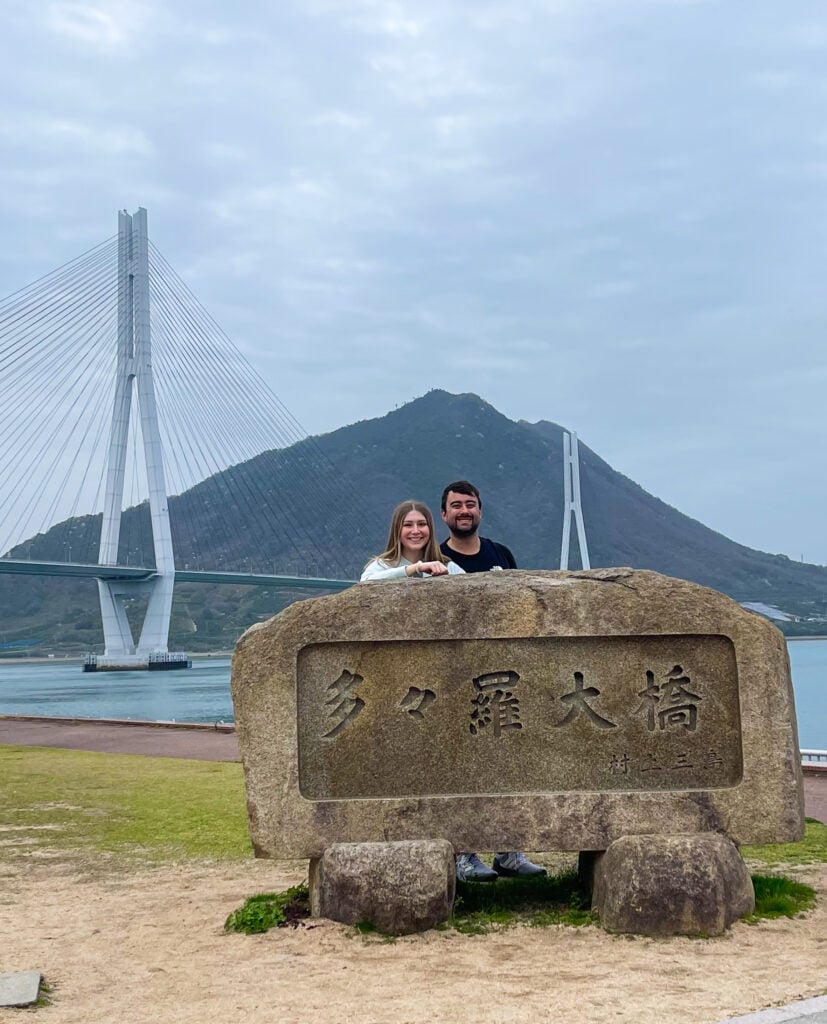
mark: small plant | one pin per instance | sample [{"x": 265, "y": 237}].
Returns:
[
  {"x": 270, "y": 910},
  {"x": 777, "y": 896},
  {"x": 44, "y": 994}
]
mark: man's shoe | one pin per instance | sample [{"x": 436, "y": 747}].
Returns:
[
  {"x": 471, "y": 869},
  {"x": 516, "y": 864}
]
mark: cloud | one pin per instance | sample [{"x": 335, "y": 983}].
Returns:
[
  {"x": 605, "y": 213},
  {"x": 106, "y": 27},
  {"x": 76, "y": 136},
  {"x": 340, "y": 119}
]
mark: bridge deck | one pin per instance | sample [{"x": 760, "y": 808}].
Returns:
[{"x": 78, "y": 570}]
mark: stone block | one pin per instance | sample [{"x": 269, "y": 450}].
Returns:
[
  {"x": 399, "y": 888},
  {"x": 20, "y": 988},
  {"x": 662, "y": 885},
  {"x": 516, "y": 710}
]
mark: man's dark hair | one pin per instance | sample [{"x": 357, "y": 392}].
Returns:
[{"x": 460, "y": 487}]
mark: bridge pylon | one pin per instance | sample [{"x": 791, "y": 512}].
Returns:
[
  {"x": 571, "y": 502},
  {"x": 134, "y": 370}
]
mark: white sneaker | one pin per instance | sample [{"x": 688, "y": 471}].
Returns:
[
  {"x": 511, "y": 865},
  {"x": 471, "y": 869}
]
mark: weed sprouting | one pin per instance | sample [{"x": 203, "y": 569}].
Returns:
[{"x": 270, "y": 910}]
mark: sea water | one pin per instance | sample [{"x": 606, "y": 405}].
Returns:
[
  {"x": 202, "y": 693},
  {"x": 808, "y": 663},
  {"x": 61, "y": 688}
]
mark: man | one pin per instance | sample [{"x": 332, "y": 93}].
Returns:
[{"x": 462, "y": 512}]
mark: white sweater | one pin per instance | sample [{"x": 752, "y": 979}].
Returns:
[{"x": 376, "y": 569}]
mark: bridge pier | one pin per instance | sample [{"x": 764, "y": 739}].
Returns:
[{"x": 121, "y": 651}]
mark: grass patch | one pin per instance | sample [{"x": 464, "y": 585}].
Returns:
[
  {"x": 156, "y": 807},
  {"x": 368, "y": 930},
  {"x": 811, "y": 850},
  {"x": 539, "y": 902},
  {"x": 270, "y": 910},
  {"x": 478, "y": 908},
  {"x": 484, "y": 907},
  {"x": 44, "y": 994},
  {"x": 777, "y": 896}
]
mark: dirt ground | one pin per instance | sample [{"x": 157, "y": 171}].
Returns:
[{"x": 147, "y": 945}]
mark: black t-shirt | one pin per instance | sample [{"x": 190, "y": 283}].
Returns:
[{"x": 491, "y": 555}]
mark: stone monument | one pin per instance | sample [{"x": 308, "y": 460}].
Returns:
[{"x": 519, "y": 710}]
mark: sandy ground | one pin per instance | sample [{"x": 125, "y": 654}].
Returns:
[{"x": 148, "y": 945}]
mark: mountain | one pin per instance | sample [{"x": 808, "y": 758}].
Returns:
[{"x": 323, "y": 507}]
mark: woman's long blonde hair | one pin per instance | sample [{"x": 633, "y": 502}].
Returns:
[{"x": 392, "y": 555}]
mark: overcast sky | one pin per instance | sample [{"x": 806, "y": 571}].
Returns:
[{"x": 607, "y": 213}]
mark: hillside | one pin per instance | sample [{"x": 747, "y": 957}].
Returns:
[{"x": 324, "y": 507}]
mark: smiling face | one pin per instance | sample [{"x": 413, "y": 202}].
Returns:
[
  {"x": 414, "y": 534},
  {"x": 462, "y": 514}
]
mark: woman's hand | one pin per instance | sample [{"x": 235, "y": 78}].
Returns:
[{"x": 428, "y": 568}]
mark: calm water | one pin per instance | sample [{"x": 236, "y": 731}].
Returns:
[
  {"x": 199, "y": 694},
  {"x": 808, "y": 660},
  {"x": 202, "y": 694}
]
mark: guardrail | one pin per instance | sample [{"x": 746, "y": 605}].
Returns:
[{"x": 814, "y": 757}]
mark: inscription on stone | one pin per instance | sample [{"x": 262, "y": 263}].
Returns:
[
  {"x": 495, "y": 704},
  {"x": 521, "y": 715},
  {"x": 343, "y": 704},
  {"x": 415, "y": 701}
]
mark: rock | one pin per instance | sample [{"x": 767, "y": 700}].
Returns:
[
  {"x": 399, "y": 887},
  {"x": 661, "y": 885},
  {"x": 20, "y": 988},
  {"x": 516, "y": 710}
]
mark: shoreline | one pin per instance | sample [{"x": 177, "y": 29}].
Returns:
[
  {"x": 142, "y": 722},
  {"x": 78, "y": 659}
]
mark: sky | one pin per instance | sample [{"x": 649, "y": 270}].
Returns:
[{"x": 611, "y": 214}]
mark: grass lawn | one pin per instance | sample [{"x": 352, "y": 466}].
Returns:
[
  {"x": 156, "y": 808},
  {"x": 811, "y": 850}
]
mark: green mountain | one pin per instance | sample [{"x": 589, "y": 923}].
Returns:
[{"x": 322, "y": 508}]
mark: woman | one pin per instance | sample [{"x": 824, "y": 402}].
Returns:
[{"x": 412, "y": 548}]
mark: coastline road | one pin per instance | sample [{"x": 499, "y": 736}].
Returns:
[{"x": 153, "y": 739}]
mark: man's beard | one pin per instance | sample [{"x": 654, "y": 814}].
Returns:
[{"x": 464, "y": 531}]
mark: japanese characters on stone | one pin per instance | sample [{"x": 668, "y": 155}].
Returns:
[
  {"x": 668, "y": 705},
  {"x": 518, "y": 714}
]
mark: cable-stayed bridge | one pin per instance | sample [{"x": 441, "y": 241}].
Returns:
[{"x": 139, "y": 434}]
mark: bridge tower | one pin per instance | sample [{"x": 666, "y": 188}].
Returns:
[
  {"x": 571, "y": 502},
  {"x": 134, "y": 369}
]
